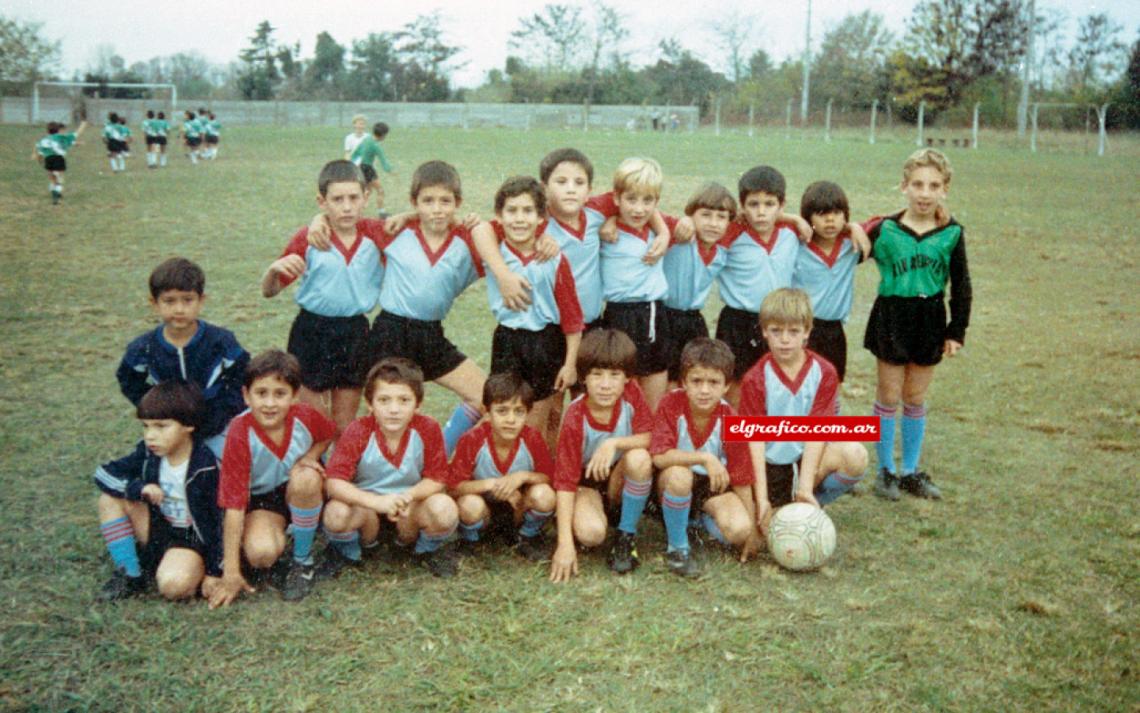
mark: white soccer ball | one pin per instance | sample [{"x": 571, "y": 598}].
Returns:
[{"x": 801, "y": 536}]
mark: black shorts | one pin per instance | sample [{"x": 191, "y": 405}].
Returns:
[
  {"x": 164, "y": 537},
  {"x": 369, "y": 173},
  {"x": 829, "y": 341},
  {"x": 422, "y": 342},
  {"x": 212, "y": 140},
  {"x": 684, "y": 326},
  {"x": 781, "y": 482},
  {"x": 193, "y": 141},
  {"x": 151, "y": 140},
  {"x": 740, "y": 330},
  {"x": 116, "y": 146},
  {"x": 160, "y": 140},
  {"x": 646, "y": 325},
  {"x": 55, "y": 163},
  {"x": 535, "y": 356},
  {"x": 331, "y": 350},
  {"x": 273, "y": 501},
  {"x": 907, "y": 330}
]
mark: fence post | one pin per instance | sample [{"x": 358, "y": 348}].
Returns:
[
  {"x": 827, "y": 123},
  {"x": 974, "y": 133},
  {"x": 751, "y": 116},
  {"x": 1101, "y": 116},
  {"x": 874, "y": 117},
  {"x": 788, "y": 121},
  {"x": 466, "y": 122},
  {"x": 1033, "y": 135},
  {"x": 921, "y": 122},
  {"x": 718, "y": 116}
]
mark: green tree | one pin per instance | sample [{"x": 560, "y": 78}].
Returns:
[
  {"x": 851, "y": 64},
  {"x": 1096, "y": 57},
  {"x": 259, "y": 77},
  {"x": 425, "y": 60},
  {"x": 25, "y": 55},
  {"x": 1127, "y": 98},
  {"x": 552, "y": 38},
  {"x": 374, "y": 67},
  {"x": 324, "y": 75},
  {"x": 680, "y": 78}
]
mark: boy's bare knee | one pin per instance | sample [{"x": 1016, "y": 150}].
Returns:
[
  {"x": 176, "y": 584},
  {"x": 261, "y": 552},
  {"x": 677, "y": 481},
  {"x": 590, "y": 533},
  {"x": 638, "y": 464},
  {"x": 337, "y": 515},
  {"x": 735, "y": 529},
  {"x": 304, "y": 482},
  {"x": 541, "y": 497},
  {"x": 442, "y": 512},
  {"x": 472, "y": 509},
  {"x": 855, "y": 458}
]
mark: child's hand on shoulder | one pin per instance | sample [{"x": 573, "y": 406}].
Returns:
[
  {"x": 396, "y": 223},
  {"x": 545, "y": 248},
  {"x": 152, "y": 494},
  {"x": 859, "y": 239},
  {"x": 607, "y": 232},
  {"x": 657, "y": 248},
  {"x": 684, "y": 230},
  {"x": 471, "y": 220}
]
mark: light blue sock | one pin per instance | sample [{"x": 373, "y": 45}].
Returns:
[
  {"x": 430, "y": 543},
  {"x": 885, "y": 448},
  {"x": 533, "y": 522},
  {"x": 675, "y": 510},
  {"x": 634, "y": 495},
  {"x": 461, "y": 421},
  {"x": 120, "y": 538},
  {"x": 835, "y": 486},
  {"x": 347, "y": 543},
  {"x": 471, "y": 532},
  {"x": 304, "y": 522},
  {"x": 913, "y": 432}
]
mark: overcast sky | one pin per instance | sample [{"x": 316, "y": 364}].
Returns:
[{"x": 219, "y": 29}]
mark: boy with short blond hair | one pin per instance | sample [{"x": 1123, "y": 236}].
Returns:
[
  {"x": 602, "y": 446},
  {"x": 185, "y": 348},
  {"x": 390, "y": 465},
  {"x": 791, "y": 380},
  {"x": 502, "y": 468},
  {"x": 272, "y": 477}
]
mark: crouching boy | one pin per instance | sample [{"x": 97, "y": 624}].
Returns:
[
  {"x": 500, "y": 475},
  {"x": 701, "y": 473},
  {"x": 390, "y": 464},
  {"x": 163, "y": 496}
]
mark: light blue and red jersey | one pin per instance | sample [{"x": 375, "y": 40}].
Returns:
[
  {"x": 766, "y": 390},
  {"x": 362, "y": 456},
  {"x": 828, "y": 278},
  {"x": 754, "y": 268},
  {"x": 625, "y": 277},
  {"x": 581, "y": 248},
  {"x": 554, "y": 295},
  {"x": 340, "y": 281},
  {"x": 690, "y": 269},
  {"x": 252, "y": 464},
  {"x": 581, "y": 434},
  {"x": 476, "y": 458},
  {"x": 673, "y": 428},
  {"x": 420, "y": 283}
]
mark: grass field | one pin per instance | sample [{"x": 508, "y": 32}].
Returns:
[{"x": 1019, "y": 591}]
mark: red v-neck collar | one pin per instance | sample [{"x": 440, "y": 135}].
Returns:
[
  {"x": 713, "y": 418},
  {"x": 502, "y": 466},
  {"x": 642, "y": 234},
  {"x": 768, "y": 247},
  {"x": 432, "y": 256},
  {"x": 278, "y": 450},
  {"x": 525, "y": 259},
  {"x": 382, "y": 444},
  {"x": 828, "y": 259},
  {"x": 706, "y": 256},
  {"x": 579, "y": 232},
  {"x": 792, "y": 384},
  {"x": 615, "y": 415},
  {"x": 347, "y": 252}
]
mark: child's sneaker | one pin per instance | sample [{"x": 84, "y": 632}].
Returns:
[
  {"x": 682, "y": 563},
  {"x": 332, "y": 563},
  {"x": 467, "y": 548},
  {"x": 532, "y": 549},
  {"x": 887, "y": 485},
  {"x": 440, "y": 563},
  {"x": 298, "y": 582},
  {"x": 921, "y": 486},
  {"x": 121, "y": 586},
  {"x": 623, "y": 557}
]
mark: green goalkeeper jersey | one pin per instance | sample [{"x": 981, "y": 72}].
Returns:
[
  {"x": 55, "y": 144},
  {"x": 368, "y": 152}
]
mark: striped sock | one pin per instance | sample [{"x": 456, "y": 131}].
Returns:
[
  {"x": 461, "y": 421},
  {"x": 471, "y": 532},
  {"x": 634, "y": 495},
  {"x": 675, "y": 511},
  {"x": 347, "y": 543},
  {"x": 304, "y": 530},
  {"x": 885, "y": 448},
  {"x": 533, "y": 522},
  {"x": 120, "y": 538},
  {"x": 913, "y": 433},
  {"x": 430, "y": 543},
  {"x": 834, "y": 486}
]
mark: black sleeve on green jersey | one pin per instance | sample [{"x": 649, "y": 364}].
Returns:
[{"x": 961, "y": 293}]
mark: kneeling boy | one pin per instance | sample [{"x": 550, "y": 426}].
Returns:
[
  {"x": 502, "y": 469},
  {"x": 792, "y": 380},
  {"x": 700, "y": 471},
  {"x": 604, "y": 437},
  {"x": 177, "y": 477},
  {"x": 272, "y": 477},
  {"x": 390, "y": 463}
]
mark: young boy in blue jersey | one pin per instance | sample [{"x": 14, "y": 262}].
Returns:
[
  {"x": 52, "y": 150},
  {"x": 540, "y": 342},
  {"x": 163, "y": 496},
  {"x": 791, "y": 380},
  {"x": 690, "y": 269},
  {"x": 700, "y": 472},
  {"x": 338, "y": 288},
  {"x": 602, "y": 465},
  {"x": 500, "y": 476},
  {"x": 390, "y": 465},
  {"x": 272, "y": 478},
  {"x": 825, "y": 269},
  {"x": 917, "y": 251},
  {"x": 185, "y": 348}
]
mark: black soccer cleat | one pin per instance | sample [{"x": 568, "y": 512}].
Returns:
[
  {"x": 467, "y": 548},
  {"x": 332, "y": 563},
  {"x": 623, "y": 557},
  {"x": 921, "y": 486},
  {"x": 298, "y": 582},
  {"x": 122, "y": 586},
  {"x": 533, "y": 549},
  {"x": 683, "y": 564},
  {"x": 887, "y": 485},
  {"x": 441, "y": 563}
]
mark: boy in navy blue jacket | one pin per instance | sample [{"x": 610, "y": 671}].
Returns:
[
  {"x": 163, "y": 496},
  {"x": 185, "y": 348}
]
